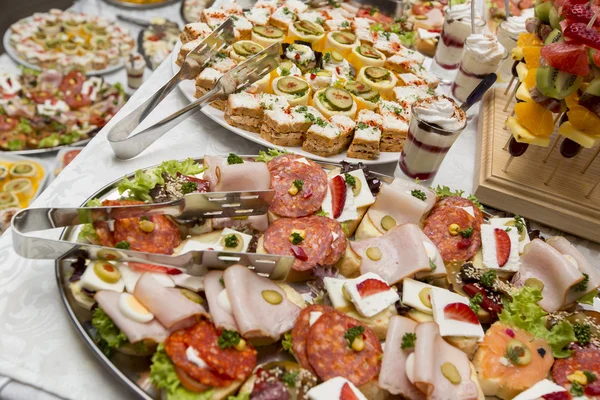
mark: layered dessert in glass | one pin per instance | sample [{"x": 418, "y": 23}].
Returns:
[
  {"x": 435, "y": 124},
  {"x": 457, "y": 27},
  {"x": 135, "y": 66},
  {"x": 482, "y": 55},
  {"x": 508, "y": 34}
]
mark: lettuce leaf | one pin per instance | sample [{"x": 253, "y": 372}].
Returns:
[
  {"x": 408, "y": 39},
  {"x": 266, "y": 156},
  {"x": 143, "y": 181},
  {"x": 588, "y": 298},
  {"x": 110, "y": 336},
  {"x": 88, "y": 232},
  {"x": 163, "y": 376},
  {"x": 523, "y": 312},
  {"x": 240, "y": 396}
]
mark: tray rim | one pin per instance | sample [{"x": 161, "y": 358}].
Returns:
[{"x": 135, "y": 6}]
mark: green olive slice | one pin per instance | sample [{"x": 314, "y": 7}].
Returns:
[
  {"x": 377, "y": 74},
  {"x": 357, "y": 88},
  {"x": 518, "y": 353},
  {"x": 344, "y": 37},
  {"x": 107, "y": 272},
  {"x": 368, "y": 51}
]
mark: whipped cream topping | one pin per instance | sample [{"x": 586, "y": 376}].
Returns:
[
  {"x": 135, "y": 62},
  {"x": 460, "y": 12},
  {"x": 484, "y": 48},
  {"x": 441, "y": 111},
  {"x": 516, "y": 24},
  {"x": 300, "y": 54}
]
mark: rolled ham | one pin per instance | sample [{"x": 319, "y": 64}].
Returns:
[
  {"x": 50, "y": 79},
  {"x": 392, "y": 376},
  {"x": 567, "y": 249},
  {"x": 408, "y": 186},
  {"x": 254, "y": 315},
  {"x": 393, "y": 201},
  {"x": 424, "y": 366},
  {"x": 212, "y": 162},
  {"x": 543, "y": 262},
  {"x": 236, "y": 177},
  {"x": 257, "y": 222},
  {"x": 135, "y": 331},
  {"x": 218, "y": 301},
  {"x": 403, "y": 254},
  {"x": 169, "y": 306}
]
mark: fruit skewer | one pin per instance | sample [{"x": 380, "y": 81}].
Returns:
[
  {"x": 589, "y": 163},
  {"x": 568, "y": 149}
]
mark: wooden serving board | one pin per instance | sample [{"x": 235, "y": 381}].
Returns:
[{"x": 521, "y": 189}]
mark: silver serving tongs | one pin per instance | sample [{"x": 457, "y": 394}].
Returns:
[
  {"x": 194, "y": 205},
  {"x": 235, "y": 80}
]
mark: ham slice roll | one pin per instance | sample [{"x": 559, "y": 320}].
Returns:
[
  {"x": 218, "y": 301},
  {"x": 394, "y": 202},
  {"x": 408, "y": 186},
  {"x": 260, "y": 307},
  {"x": 134, "y": 330},
  {"x": 171, "y": 308},
  {"x": 543, "y": 262},
  {"x": 257, "y": 222},
  {"x": 236, "y": 177}
]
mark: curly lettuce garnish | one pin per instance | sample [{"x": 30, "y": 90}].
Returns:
[
  {"x": 266, "y": 156},
  {"x": 88, "y": 232},
  {"x": 523, "y": 312},
  {"x": 110, "y": 337}
]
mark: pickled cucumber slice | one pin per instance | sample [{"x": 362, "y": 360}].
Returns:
[
  {"x": 292, "y": 85},
  {"x": 339, "y": 99},
  {"x": 337, "y": 56},
  {"x": 239, "y": 49},
  {"x": 357, "y": 88},
  {"x": 252, "y": 48},
  {"x": 268, "y": 31},
  {"x": 371, "y": 96},
  {"x": 286, "y": 64},
  {"x": 377, "y": 74},
  {"x": 344, "y": 37},
  {"x": 368, "y": 51},
  {"x": 309, "y": 28},
  {"x": 323, "y": 72}
]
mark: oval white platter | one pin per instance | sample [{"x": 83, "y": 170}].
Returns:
[{"x": 188, "y": 89}]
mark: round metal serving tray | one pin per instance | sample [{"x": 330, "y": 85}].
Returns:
[
  {"x": 133, "y": 371},
  {"x": 47, "y": 150},
  {"x": 138, "y": 6}
]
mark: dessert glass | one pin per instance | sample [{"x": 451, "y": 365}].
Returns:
[
  {"x": 135, "y": 66},
  {"x": 427, "y": 143},
  {"x": 508, "y": 39}
]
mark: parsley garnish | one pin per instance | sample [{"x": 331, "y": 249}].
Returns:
[
  {"x": 233, "y": 159},
  {"x": 576, "y": 388},
  {"x": 320, "y": 122},
  {"x": 419, "y": 194},
  {"x": 350, "y": 180},
  {"x": 231, "y": 240},
  {"x": 319, "y": 21},
  {"x": 583, "y": 333},
  {"x": 582, "y": 286},
  {"x": 373, "y": 10},
  {"x": 286, "y": 343},
  {"x": 124, "y": 245},
  {"x": 345, "y": 24},
  {"x": 327, "y": 57},
  {"x": 432, "y": 265},
  {"x": 362, "y": 125},
  {"x": 321, "y": 213},
  {"x": 353, "y": 333},
  {"x": 591, "y": 377},
  {"x": 299, "y": 184},
  {"x": 189, "y": 187},
  {"x": 296, "y": 238},
  {"x": 466, "y": 233},
  {"x": 519, "y": 223},
  {"x": 488, "y": 278},
  {"x": 475, "y": 302},
  {"x": 228, "y": 339},
  {"x": 289, "y": 378},
  {"x": 222, "y": 281},
  {"x": 408, "y": 340}
]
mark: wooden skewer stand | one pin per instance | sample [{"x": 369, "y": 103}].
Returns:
[{"x": 521, "y": 190}]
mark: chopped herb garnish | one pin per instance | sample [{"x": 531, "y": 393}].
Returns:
[
  {"x": 319, "y": 21},
  {"x": 475, "y": 302},
  {"x": 576, "y": 388},
  {"x": 466, "y": 233},
  {"x": 144, "y": 218},
  {"x": 320, "y": 122},
  {"x": 299, "y": 184},
  {"x": 345, "y": 24},
  {"x": 513, "y": 353},
  {"x": 432, "y": 265},
  {"x": 289, "y": 378},
  {"x": 296, "y": 238},
  {"x": 508, "y": 229},
  {"x": 350, "y": 180},
  {"x": 362, "y": 125},
  {"x": 233, "y": 159},
  {"x": 228, "y": 339},
  {"x": 419, "y": 194},
  {"x": 519, "y": 223},
  {"x": 124, "y": 245},
  {"x": 286, "y": 343},
  {"x": 221, "y": 281},
  {"x": 189, "y": 187},
  {"x": 353, "y": 333},
  {"x": 582, "y": 286},
  {"x": 408, "y": 340},
  {"x": 231, "y": 240},
  {"x": 583, "y": 333},
  {"x": 488, "y": 278},
  {"x": 591, "y": 377},
  {"x": 373, "y": 10}
]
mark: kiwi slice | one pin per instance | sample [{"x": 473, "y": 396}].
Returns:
[
  {"x": 292, "y": 85},
  {"x": 339, "y": 99},
  {"x": 377, "y": 74},
  {"x": 368, "y": 51},
  {"x": 556, "y": 84},
  {"x": 542, "y": 11},
  {"x": 344, "y": 37},
  {"x": 308, "y": 28},
  {"x": 239, "y": 48},
  {"x": 357, "y": 87},
  {"x": 268, "y": 31},
  {"x": 554, "y": 18},
  {"x": 554, "y": 37},
  {"x": 337, "y": 56},
  {"x": 594, "y": 87}
]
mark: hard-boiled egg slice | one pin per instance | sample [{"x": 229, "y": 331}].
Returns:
[{"x": 133, "y": 309}]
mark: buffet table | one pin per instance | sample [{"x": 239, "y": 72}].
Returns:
[{"x": 38, "y": 346}]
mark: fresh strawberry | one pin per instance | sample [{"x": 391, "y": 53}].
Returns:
[
  {"x": 153, "y": 268},
  {"x": 581, "y": 34},
  {"x": 579, "y": 13},
  {"x": 371, "y": 286},
  {"x": 299, "y": 253},
  {"x": 460, "y": 312},
  {"x": 558, "y": 396},
  {"x": 347, "y": 393},
  {"x": 463, "y": 243},
  {"x": 568, "y": 57},
  {"x": 338, "y": 195},
  {"x": 502, "y": 246}
]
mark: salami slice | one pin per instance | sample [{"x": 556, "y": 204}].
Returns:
[
  {"x": 456, "y": 201},
  {"x": 453, "y": 248},
  {"x": 300, "y": 332},
  {"x": 284, "y": 171},
  {"x": 583, "y": 359},
  {"x": 176, "y": 346},
  {"x": 330, "y": 355},
  {"x": 162, "y": 240},
  {"x": 229, "y": 362},
  {"x": 316, "y": 245},
  {"x": 338, "y": 247}
]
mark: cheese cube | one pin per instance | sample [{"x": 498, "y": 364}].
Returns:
[
  {"x": 365, "y": 197},
  {"x": 91, "y": 281},
  {"x": 411, "y": 290},
  {"x": 332, "y": 389},
  {"x": 336, "y": 295},
  {"x": 540, "y": 389},
  {"x": 501, "y": 223},
  {"x": 440, "y": 298},
  {"x": 246, "y": 238},
  {"x": 488, "y": 247},
  {"x": 370, "y": 304}
]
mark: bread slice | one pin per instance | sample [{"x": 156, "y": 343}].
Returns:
[
  {"x": 367, "y": 136},
  {"x": 329, "y": 138},
  {"x": 288, "y": 126},
  {"x": 394, "y": 128},
  {"x": 194, "y": 31}
]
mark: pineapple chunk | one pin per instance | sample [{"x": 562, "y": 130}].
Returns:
[
  {"x": 585, "y": 140},
  {"x": 522, "y": 71},
  {"x": 523, "y": 93},
  {"x": 522, "y": 135},
  {"x": 517, "y": 53}
]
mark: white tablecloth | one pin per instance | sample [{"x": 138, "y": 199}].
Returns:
[{"x": 38, "y": 346}]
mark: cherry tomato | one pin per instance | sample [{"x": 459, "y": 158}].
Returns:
[
  {"x": 69, "y": 156},
  {"x": 97, "y": 120},
  {"x": 7, "y": 123},
  {"x": 41, "y": 96},
  {"x": 72, "y": 82},
  {"x": 76, "y": 101},
  {"x": 422, "y": 9}
]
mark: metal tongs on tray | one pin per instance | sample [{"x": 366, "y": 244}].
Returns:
[
  {"x": 239, "y": 78},
  {"x": 191, "y": 206}
]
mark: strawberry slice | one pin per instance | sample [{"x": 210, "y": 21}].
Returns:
[
  {"x": 347, "y": 393},
  {"x": 460, "y": 312},
  {"x": 338, "y": 195},
  {"x": 568, "y": 57},
  {"x": 558, "y": 396},
  {"x": 581, "y": 34},
  {"x": 579, "y": 13},
  {"x": 153, "y": 268},
  {"x": 502, "y": 246},
  {"x": 369, "y": 287}
]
